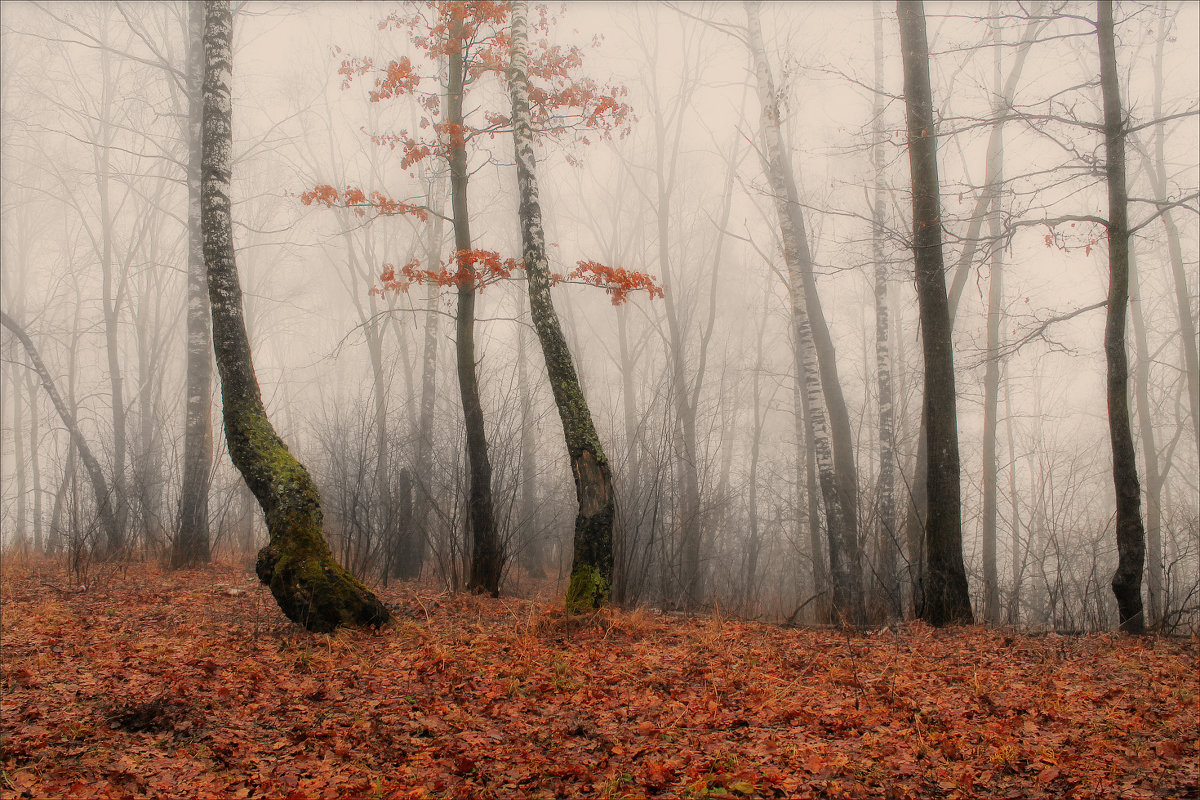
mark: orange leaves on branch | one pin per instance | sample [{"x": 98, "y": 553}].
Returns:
[
  {"x": 617, "y": 282},
  {"x": 479, "y": 268},
  {"x": 471, "y": 268},
  {"x": 355, "y": 198}
]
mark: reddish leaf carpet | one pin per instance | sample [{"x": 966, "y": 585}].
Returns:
[{"x": 160, "y": 684}]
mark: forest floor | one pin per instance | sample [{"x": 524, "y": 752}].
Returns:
[{"x": 172, "y": 684}]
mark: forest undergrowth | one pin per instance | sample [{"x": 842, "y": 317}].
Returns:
[{"x": 150, "y": 683}]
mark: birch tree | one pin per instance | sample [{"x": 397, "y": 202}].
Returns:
[
  {"x": 296, "y": 564},
  {"x": 840, "y": 513}
]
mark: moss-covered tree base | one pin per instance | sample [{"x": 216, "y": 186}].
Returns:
[
  {"x": 587, "y": 591},
  {"x": 314, "y": 590}
]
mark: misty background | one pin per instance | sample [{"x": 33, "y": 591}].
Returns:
[{"x": 94, "y": 256}]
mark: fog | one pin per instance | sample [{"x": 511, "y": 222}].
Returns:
[{"x": 701, "y": 382}]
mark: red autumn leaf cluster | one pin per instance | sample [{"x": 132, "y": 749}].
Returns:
[
  {"x": 479, "y": 268},
  {"x": 616, "y": 281},
  {"x": 191, "y": 683},
  {"x": 562, "y": 99},
  {"x": 360, "y": 202}
]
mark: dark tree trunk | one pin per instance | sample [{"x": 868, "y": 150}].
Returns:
[
  {"x": 310, "y": 587},
  {"x": 592, "y": 559},
  {"x": 109, "y": 523},
  {"x": 944, "y": 597},
  {"x": 487, "y": 559},
  {"x": 192, "y": 544},
  {"x": 1131, "y": 536}
]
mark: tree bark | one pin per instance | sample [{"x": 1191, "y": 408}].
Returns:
[
  {"x": 1131, "y": 536},
  {"x": 309, "y": 586},
  {"x": 104, "y": 505},
  {"x": 1154, "y": 475},
  {"x": 592, "y": 559},
  {"x": 192, "y": 544},
  {"x": 840, "y": 512},
  {"x": 944, "y": 597},
  {"x": 991, "y": 378},
  {"x": 888, "y": 536},
  {"x": 914, "y": 522},
  {"x": 487, "y": 560}
]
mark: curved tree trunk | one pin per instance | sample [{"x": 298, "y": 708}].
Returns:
[
  {"x": 192, "y": 545},
  {"x": 945, "y": 597},
  {"x": 592, "y": 559},
  {"x": 108, "y": 518},
  {"x": 1131, "y": 536},
  {"x": 310, "y": 587}
]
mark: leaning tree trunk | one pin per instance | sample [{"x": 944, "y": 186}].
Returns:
[
  {"x": 192, "y": 545},
  {"x": 839, "y": 511},
  {"x": 487, "y": 559},
  {"x": 1131, "y": 536},
  {"x": 945, "y": 597},
  {"x": 592, "y": 559},
  {"x": 310, "y": 587},
  {"x": 108, "y": 518}
]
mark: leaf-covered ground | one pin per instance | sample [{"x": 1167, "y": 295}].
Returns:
[{"x": 158, "y": 684}]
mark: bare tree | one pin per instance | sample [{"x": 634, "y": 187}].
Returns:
[
  {"x": 310, "y": 587},
  {"x": 944, "y": 598}
]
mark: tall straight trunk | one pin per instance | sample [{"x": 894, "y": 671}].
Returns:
[
  {"x": 945, "y": 599},
  {"x": 888, "y": 537},
  {"x": 192, "y": 543},
  {"x": 110, "y": 307},
  {"x": 1154, "y": 475},
  {"x": 1131, "y": 536},
  {"x": 309, "y": 586},
  {"x": 487, "y": 560},
  {"x": 627, "y": 535},
  {"x": 840, "y": 514},
  {"x": 147, "y": 467},
  {"x": 385, "y": 517},
  {"x": 914, "y": 522},
  {"x": 424, "y": 459},
  {"x": 690, "y": 523},
  {"x": 35, "y": 465},
  {"x": 423, "y": 463},
  {"x": 532, "y": 557},
  {"x": 991, "y": 378},
  {"x": 592, "y": 558},
  {"x": 1183, "y": 303},
  {"x": 18, "y": 437},
  {"x": 1018, "y": 562},
  {"x": 104, "y": 506}
]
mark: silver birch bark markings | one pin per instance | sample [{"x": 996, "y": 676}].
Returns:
[
  {"x": 846, "y": 603},
  {"x": 296, "y": 564},
  {"x": 592, "y": 559}
]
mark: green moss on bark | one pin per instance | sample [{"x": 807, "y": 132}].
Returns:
[
  {"x": 587, "y": 591},
  {"x": 310, "y": 587}
]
